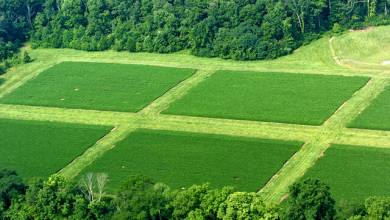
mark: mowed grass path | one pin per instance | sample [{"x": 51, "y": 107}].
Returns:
[
  {"x": 114, "y": 87},
  {"x": 39, "y": 149},
  {"x": 377, "y": 115},
  {"x": 183, "y": 159},
  {"x": 271, "y": 97},
  {"x": 354, "y": 173}
]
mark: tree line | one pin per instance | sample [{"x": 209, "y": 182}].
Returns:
[
  {"x": 232, "y": 29},
  {"x": 142, "y": 198}
]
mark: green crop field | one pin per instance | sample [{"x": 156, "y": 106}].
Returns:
[
  {"x": 354, "y": 173},
  {"x": 377, "y": 115},
  {"x": 182, "y": 159},
  {"x": 274, "y": 97},
  {"x": 115, "y": 87},
  {"x": 334, "y": 83},
  {"x": 39, "y": 149}
]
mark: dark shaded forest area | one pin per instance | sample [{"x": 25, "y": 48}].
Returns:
[
  {"x": 142, "y": 198},
  {"x": 232, "y": 29}
]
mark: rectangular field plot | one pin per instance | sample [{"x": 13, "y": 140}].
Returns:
[
  {"x": 113, "y": 87},
  {"x": 273, "y": 97},
  {"x": 377, "y": 115},
  {"x": 354, "y": 173},
  {"x": 182, "y": 159},
  {"x": 39, "y": 149}
]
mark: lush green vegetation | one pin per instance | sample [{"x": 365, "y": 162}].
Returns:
[
  {"x": 15, "y": 23},
  {"x": 39, "y": 149},
  {"x": 16, "y": 18},
  {"x": 310, "y": 199},
  {"x": 183, "y": 159},
  {"x": 230, "y": 29},
  {"x": 142, "y": 198},
  {"x": 354, "y": 173},
  {"x": 115, "y": 87},
  {"x": 377, "y": 115},
  {"x": 227, "y": 29},
  {"x": 277, "y": 97},
  {"x": 371, "y": 45}
]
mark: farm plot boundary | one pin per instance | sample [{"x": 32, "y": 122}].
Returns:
[{"x": 317, "y": 138}]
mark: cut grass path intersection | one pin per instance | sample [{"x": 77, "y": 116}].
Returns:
[{"x": 317, "y": 138}]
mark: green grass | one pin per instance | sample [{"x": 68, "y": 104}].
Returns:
[
  {"x": 377, "y": 115},
  {"x": 371, "y": 45},
  {"x": 182, "y": 159},
  {"x": 272, "y": 97},
  {"x": 354, "y": 173},
  {"x": 114, "y": 87},
  {"x": 39, "y": 149}
]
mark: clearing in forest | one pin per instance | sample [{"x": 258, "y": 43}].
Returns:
[
  {"x": 39, "y": 149},
  {"x": 354, "y": 173},
  {"x": 273, "y": 97},
  {"x": 100, "y": 86},
  {"x": 377, "y": 115},
  {"x": 182, "y": 159}
]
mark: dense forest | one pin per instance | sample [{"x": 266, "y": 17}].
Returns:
[
  {"x": 233, "y": 29},
  {"x": 142, "y": 198}
]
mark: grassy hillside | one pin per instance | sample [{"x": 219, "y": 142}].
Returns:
[{"x": 366, "y": 47}]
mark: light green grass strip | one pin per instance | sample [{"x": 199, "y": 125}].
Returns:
[
  {"x": 277, "y": 188},
  {"x": 78, "y": 116},
  {"x": 22, "y": 73},
  {"x": 361, "y": 137},
  {"x": 103, "y": 145},
  {"x": 161, "y": 122},
  {"x": 175, "y": 93}
]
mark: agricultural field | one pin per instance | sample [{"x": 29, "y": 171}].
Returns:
[
  {"x": 256, "y": 125},
  {"x": 114, "y": 87},
  {"x": 183, "y": 159},
  {"x": 272, "y": 97},
  {"x": 377, "y": 116},
  {"x": 354, "y": 173},
  {"x": 39, "y": 149}
]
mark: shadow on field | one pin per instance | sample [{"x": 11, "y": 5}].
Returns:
[{"x": 2, "y": 81}]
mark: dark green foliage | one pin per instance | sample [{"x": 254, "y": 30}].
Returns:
[
  {"x": 202, "y": 158},
  {"x": 199, "y": 202},
  {"x": 354, "y": 173},
  {"x": 242, "y": 30},
  {"x": 141, "y": 198},
  {"x": 375, "y": 208},
  {"x": 310, "y": 199},
  {"x": 57, "y": 198},
  {"x": 39, "y": 149},
  {"x": 2, "y": 71},
  {"x": 11, "y": 187},
  {"x": 114, "y": 87},
  {"x": 275, "y": 97},
  {"x": 16, "y": 19},
  {"x": 26, "y": 57},
  {"x": 242, "y": 205}
]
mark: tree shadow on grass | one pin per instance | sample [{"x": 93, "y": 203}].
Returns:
[{"x": 2, "y": 81}]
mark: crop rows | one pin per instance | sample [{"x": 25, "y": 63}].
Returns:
[{"x": 178, "y": 94}]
